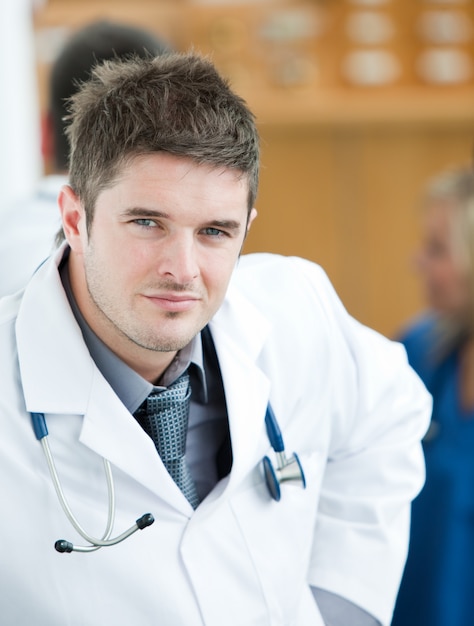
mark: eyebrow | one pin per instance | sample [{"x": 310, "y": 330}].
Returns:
[
  {"x": 227, "y": 224},
  {"x": 232, "y": 225},
  {"x": 141, "y": 212}
]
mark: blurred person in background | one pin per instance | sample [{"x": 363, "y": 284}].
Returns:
[
  {"x": 438, "y": 584},
  {"x": 28, "y": 228}
]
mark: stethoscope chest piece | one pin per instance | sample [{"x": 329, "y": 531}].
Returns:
[{"x": 288, "y": 469}]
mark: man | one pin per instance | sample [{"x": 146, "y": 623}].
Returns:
[
  {"x": 28, "y": 227},
  {"x": 147, "y": 296}
]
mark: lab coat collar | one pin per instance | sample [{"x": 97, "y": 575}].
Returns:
[{"x": 55, "y": 365}]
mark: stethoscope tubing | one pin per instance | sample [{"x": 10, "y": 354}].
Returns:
[
  {"x": 98, "y": 542},
  {"x": 41, "y": 431},
  {"x": 273, "y": 430},
  {"x": 287, "y": 470}
]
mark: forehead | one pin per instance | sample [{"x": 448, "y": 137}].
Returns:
[
  {"x": 171, "y": 169},
  {"x": 177, "y": 186}
]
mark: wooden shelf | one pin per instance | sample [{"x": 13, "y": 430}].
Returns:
[{"x": 346, "y": 107}]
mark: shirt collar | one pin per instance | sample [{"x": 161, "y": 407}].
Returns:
[{"x": 130, "y": 387}]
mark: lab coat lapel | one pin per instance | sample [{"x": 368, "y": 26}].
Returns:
[
  {"x": 110, "y": 430},
  {"x": 55, "y": 365},
  {"x": 239, "y": 332}
]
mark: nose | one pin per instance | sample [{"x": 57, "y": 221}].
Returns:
[{"x": 178, "y": 258}]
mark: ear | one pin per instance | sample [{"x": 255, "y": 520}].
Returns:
[
  {"x": 253, "y": 214},
  {"x": 73, "y": 218}
]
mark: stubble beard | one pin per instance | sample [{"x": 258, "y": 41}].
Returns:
[
  {"x": 110, "y": 316},
  {"x": 139, "y": 335}
]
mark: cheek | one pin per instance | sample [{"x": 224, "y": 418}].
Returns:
[
  {"x": 116, "y": 252},
  {"x": 451, "y": 276},
  {"x": 449, "y": 288},
  {"x": 439, "y": 273},
  {"x": 445, "y": 277},
  {"x": 110, "y": 267},
  {"x": 216, "y": 278},
  {"x": 217, "y": 284}
]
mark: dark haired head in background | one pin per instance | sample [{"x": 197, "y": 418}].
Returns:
[{"x": 92, "y": 44}]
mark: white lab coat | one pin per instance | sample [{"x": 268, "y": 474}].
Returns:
[{"x": 346, "y": 402}]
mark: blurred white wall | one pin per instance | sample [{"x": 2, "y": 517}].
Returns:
[{"x": 20, "y": 157}]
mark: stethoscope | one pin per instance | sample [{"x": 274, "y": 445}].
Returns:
[{"x": 288, "y": 469}]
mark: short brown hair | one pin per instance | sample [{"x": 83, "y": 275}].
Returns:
[{"x": 175, "y": 103}]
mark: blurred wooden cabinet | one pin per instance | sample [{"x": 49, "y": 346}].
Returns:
[
  {"x": 354, "y": 114},
  {"x": 346, "y": 196}
]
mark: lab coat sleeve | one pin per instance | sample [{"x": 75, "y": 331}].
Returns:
[{"x": 375, "y": 463}]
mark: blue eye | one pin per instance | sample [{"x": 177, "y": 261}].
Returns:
[
  {"x": 213, "y": 232},
  {"x": 145, "y": 222}
]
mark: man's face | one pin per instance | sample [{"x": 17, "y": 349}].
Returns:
[{"x": 163, "y": 243}]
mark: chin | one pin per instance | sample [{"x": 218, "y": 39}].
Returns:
[{"x": 172, "y": 343}]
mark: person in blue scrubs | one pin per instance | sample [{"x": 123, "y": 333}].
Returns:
[{"x": 438, "y": 584}]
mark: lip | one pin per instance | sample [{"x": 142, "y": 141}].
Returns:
[{"x": 173, "y": 302}]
